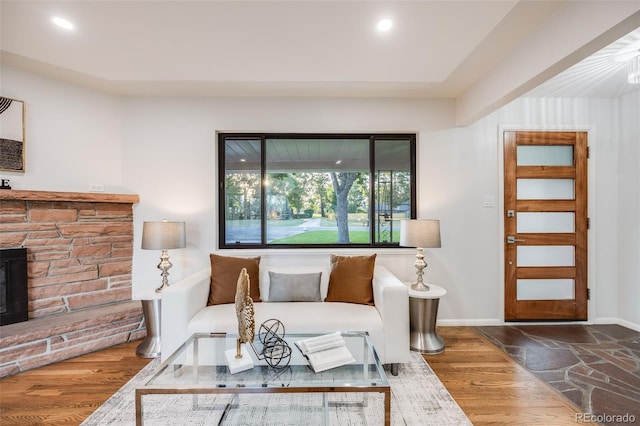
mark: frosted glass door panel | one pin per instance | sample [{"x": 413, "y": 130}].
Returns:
[
  {"x": 558, "y": 289},
  {"x": 545, "y": 256},
  {"x": 545, "y": 155},
  {"x": 545, "y": 222},
  {"x": 545, "y": 189}
]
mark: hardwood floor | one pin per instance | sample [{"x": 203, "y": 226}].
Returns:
[
  {"x": 66, "y": 393},
  {"x": 491, "y": 388},
  {"x": 488, "y": 386}
]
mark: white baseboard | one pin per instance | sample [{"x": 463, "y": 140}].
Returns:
[{"x": 470, "y": 322}]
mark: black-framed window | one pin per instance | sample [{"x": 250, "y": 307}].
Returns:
[{"x": 314, "y": 190}]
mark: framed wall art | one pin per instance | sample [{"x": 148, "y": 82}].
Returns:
[{"x": 12, "y": 143}]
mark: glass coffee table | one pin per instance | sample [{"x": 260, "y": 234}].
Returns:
[{"x": 199, "y": 367}]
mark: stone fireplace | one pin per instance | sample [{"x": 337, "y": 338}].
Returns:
[{"x": 79, "y": 249}]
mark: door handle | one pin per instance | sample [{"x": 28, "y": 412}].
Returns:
[{"x": 512, "y": 239}]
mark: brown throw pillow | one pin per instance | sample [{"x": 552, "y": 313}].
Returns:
[
  {"x": 225, "y": 271},
  {"x": 351, "y": 279}
]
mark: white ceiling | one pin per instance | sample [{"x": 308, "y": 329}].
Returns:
[
  {"x": 600, "y": 75},
  {"x": 299, "y": 48}
]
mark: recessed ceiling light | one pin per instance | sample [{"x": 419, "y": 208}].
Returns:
[
  {"x": 339, "y": 162},
  {"x": 384, "y": 25},
  {"x": 62, "y": 23}
]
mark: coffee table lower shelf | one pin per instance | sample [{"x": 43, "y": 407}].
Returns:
[{"x": 385, "y": 390}]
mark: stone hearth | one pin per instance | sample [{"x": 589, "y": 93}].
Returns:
[{"x": 79, "y": 259}]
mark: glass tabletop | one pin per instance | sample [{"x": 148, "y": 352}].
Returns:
[{"x": 202, "y": 363}]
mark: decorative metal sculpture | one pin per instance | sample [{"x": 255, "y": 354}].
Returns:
[
  {"x": 276, "y": 351},
  {"x": 277, "y": 354},
  {"x": 271, "y": 330},
  {"x": 244, "y": 312}
]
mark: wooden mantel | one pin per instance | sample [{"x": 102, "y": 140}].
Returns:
[{"x": 92, "y": 197}]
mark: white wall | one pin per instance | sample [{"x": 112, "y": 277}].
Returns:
[
  {"x": 466, "y": 165},
  {"x": 164, "y": 150},
  {"x": 601, "y": 117},
  {"x": 628, "y": 220},
  {"x": 73, "y": 135},
  {"x": 170, "y": 159}
]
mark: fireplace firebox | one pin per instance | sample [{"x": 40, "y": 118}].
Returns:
[{"x": 14, "y": 303}]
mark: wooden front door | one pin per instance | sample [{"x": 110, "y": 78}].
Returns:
[{"x": 545, "y": 231}]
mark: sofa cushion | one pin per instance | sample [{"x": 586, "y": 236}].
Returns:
[
  {"x": 225, "y": 271},
  {"x": 302, "y": 317},
  {"x": 294, "y": 287},
  {"x": 351, "y": 279}
]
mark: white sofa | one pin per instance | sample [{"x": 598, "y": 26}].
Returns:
[{"x": 184, "y": 311}]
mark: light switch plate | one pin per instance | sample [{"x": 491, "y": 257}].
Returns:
[{"x": 489, "y": 201}]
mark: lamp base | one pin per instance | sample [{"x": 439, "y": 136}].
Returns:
[
  {"x": 164, "y": 266},
  {"x": 419, "y": 286},
  {"x": 420, "y": 264}
]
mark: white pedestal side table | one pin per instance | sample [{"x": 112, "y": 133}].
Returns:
[
  {"x": 423, "y": 312},
  {"x": 150, "y": 346}
]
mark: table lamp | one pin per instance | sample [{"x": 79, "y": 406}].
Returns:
[
  {"x": 164, "y": 235},
  {"x": 420, "y": 233}
]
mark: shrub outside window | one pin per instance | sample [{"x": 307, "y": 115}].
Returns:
[{"x": 314, "y": 190}]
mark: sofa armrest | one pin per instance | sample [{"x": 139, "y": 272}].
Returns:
[
  {"x": 180, "y": 302},
  {"x": 391, "y": 298}
]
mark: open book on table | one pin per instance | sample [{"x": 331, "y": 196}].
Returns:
[{"x": 326, "y": 351}]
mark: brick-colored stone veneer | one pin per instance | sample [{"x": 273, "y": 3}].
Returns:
[{"x": 79, "y": 259}]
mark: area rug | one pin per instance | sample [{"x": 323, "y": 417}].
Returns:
[{"x": 417, "y": 398}]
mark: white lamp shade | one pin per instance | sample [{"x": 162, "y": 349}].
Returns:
[
  {"x": 163, "y": 235},
  {"x": 422, "y": 233}
]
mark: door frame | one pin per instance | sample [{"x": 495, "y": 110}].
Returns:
[{"x": 591, "y": 203}]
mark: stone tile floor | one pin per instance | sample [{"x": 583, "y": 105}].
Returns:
[{"x": 597, "y": 367}]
